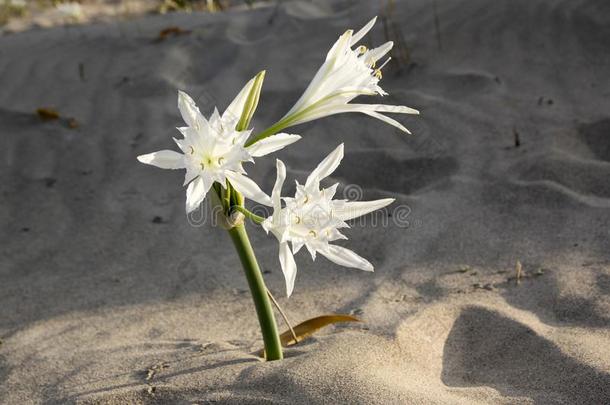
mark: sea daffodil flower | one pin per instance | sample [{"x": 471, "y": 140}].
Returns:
[
  {"x": 213, "y": 150},
  {"x": 345, "y": 74},
  {"x": 312, "y": 218}
]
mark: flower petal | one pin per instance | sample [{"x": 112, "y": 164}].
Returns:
[
  {"x": 189, "y": 111},
  {"x": 235, "y": 109},
  {"x": 387, "y": 120},
  {"x": 369, "y": 109},
  {"x": 355, "y": 209},
  {"x": 289, "y": 267},
  {"x": 272, "y": 144},
  {"x": 195, "y": 193},
  {"x": 363, "y": 31},
  {"x": 248, "y": 188},
  {"x": 325, "y": 168},
  {"x": 276, "y": 193},
  {"x": 346, "y": 257},
  {"x": 375, "y": 54},
  {"x": 165, "y": 159}
]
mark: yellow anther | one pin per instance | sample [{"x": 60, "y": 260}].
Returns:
[
  {"x": 377, "y": 73},
  {"x": 221, "y": 160},
  {"x": 361, "y": 49},
  {"x": 191, "y": 150},
  {"x": 297, "y": 219},
  {"x": 313, "y": 234}
]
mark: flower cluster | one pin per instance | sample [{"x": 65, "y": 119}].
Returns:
[{"x": 214, "y": 150}]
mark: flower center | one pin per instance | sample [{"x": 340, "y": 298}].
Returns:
[{"x": 211, "y": 162}]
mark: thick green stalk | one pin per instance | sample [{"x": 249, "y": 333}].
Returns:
[{"x": 271, "y": 337}]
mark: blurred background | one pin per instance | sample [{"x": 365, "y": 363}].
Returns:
[{"x": 18, "y": 15}]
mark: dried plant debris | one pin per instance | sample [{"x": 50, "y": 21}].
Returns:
[
  {"x": 153, "y": 370},
  {"x": 171, "y": 32},
  {"x": 516, "y": 137},
  {"x": 309, "y": 327},
  {"x": 151, "y": 389},
  {"x": 51, "y": 114},
  {"x": 518, "y": 272},
  {"x": 463, "y": 269},
  {"x": 47, "y": 113},
  {"x": 401, "y": 55}
]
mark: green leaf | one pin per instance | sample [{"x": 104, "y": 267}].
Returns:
[{"x": 251, "y": 102}]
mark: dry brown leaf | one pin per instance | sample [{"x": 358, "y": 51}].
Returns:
[
  {"x": 309, "y": 327},
  {"x": 175, "y": 31},
  {"x": 47, "y": 113}
]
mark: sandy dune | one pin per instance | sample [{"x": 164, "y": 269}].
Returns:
[{"x": 96, "y": 294}]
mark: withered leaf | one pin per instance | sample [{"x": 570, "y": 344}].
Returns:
[
  {"x": 309, "y": 327},
  {"x": 175, "y": 31},
  {"x": 47, "y": 113}
]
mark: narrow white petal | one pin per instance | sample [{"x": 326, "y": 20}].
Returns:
[
  {"x": 387, "y": 120},
  {"x": 395, "y": 109},
  {"x": 234, "y": 110},
  {"x": 272, "y": 144},
  {"x": 340, "y": 46},
  {"x": 195, "y": 193},
  {"x": 311, "y": 250},
  {"x": 165, "y": 159},
  {"x": 189, "y": 110},
  {"x": 369, "y": 109},
  {"x": 377, "y": 53},
  {"x": 289, "y": 267},
  {"x": 363, "y": 31},
  {"x": 346, "y": 257},
  {"x": 326, "y": 167},
  {"x": 355, "y": 209},
  {"x": 276, "y": 193},
  {"x": 248, "y": 188}
]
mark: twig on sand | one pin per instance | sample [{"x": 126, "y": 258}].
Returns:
[
  {"x": 392, "y": 32},
  {"x": 517, "y": 138},
  {"x": 294, "y": 335},
  {"x": 150, "y": 373},
  {"x": 437, "y": 26},
  {"x": 519, "y": 271}
]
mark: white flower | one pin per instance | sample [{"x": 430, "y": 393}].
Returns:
[
  {"x": 213, "y": 151},
  {"x": 313, "y": 219},
  {"x": 346, "y": 74}
]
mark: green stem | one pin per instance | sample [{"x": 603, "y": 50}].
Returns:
[
  {"x": 248, "y": 214},
  {"x": 271, "y": 337},
  {"x": 272, "y": 130}
]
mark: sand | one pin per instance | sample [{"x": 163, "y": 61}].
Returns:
[{"x": 102, "y": 303}]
